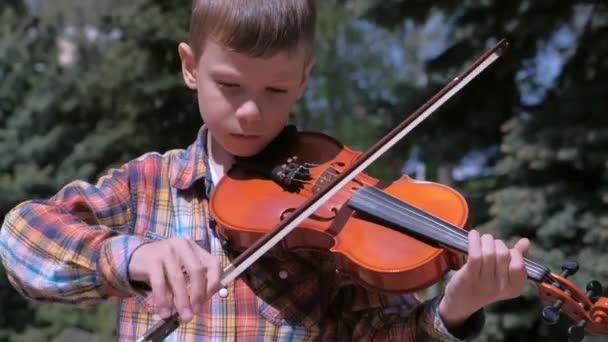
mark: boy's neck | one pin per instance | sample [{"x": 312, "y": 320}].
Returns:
[{"x": 219, "y": 159}]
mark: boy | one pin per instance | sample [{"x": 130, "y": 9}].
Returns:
[{"x": 249, "y": 62}]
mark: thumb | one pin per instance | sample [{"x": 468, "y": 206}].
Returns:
[{"x": 523, "y": 246}]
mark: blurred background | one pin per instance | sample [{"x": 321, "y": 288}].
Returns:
[{"x": 88, "y": 85}]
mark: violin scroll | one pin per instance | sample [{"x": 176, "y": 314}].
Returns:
[{"x": 588, "y": 309}]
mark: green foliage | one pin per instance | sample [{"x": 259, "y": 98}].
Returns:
[
  {"x": 51, "y": 320},
  {"x": 104, "y": 96},
  {"x": 77, "y": 98},
  {"x": 554, "y": 162}
]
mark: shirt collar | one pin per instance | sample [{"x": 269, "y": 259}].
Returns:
[{"x": 191, "y": 164}]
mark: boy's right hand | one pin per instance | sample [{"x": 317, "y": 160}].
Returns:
[{"x": 167, "y": 265}]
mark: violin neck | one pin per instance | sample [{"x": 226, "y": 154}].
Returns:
[{"x": 406, "y": 218}]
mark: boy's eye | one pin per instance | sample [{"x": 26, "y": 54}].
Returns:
[
  {"x": 227, "y": 84},
  {"x": 276, "y": 90}
]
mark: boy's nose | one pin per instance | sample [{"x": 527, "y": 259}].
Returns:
[{"x": 249, "y": 112}]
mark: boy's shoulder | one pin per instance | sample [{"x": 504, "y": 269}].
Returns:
[
  {"x": 181, "y": 167},
  {"x": 167, "y": 157}
]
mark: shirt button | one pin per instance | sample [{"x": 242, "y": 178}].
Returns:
[
  {"x": 283, "y": 274},
  {"x": 223, "y": 292}
]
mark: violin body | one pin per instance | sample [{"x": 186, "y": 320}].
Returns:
[{"x": 247, "y": 205}]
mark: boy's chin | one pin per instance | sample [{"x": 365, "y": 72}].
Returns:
[{"x": 249, "y": 151}]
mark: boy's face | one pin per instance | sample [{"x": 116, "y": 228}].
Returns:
[{"x": 245, "y": 101}]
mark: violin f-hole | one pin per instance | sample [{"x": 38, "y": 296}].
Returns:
[{"x": 317, "y": 217}]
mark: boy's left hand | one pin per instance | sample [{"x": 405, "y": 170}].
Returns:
[{"x": 492, "y": 273}]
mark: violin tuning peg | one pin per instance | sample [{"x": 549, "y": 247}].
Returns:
[
  {"x": 569, "y": 267},
  {"x": 550, "y": 315},
  {"x": 576, "y": 333},
  {"x": 594, "y": 290}
]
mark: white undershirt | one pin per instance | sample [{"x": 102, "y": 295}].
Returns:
[{"x": 214, "y": 177}]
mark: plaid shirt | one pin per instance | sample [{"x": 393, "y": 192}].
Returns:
[{"x": 75, "y": 247}]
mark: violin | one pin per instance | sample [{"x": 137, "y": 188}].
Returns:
[
  {"x": 398, "y": 237},
  {"x": 307, "y": 191}
]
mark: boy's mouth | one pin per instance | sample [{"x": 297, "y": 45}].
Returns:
[{"x": 245, "y": 136}]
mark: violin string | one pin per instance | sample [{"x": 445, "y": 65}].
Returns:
[
  {"x": 301, "y": 181},
  {"x": 459, "y": 234},
  {"x": 400, "y": 209},
  {"x": 456, "y": 232}
]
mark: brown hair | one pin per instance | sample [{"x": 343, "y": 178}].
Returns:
[{"x": 257, "y": 28}]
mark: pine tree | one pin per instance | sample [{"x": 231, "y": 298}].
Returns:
[
  {"x": 554, "y": 166},
  {"x": 76, "y": 99}
]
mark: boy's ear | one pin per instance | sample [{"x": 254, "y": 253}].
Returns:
[
  {"x": 306, "y": 75},
  {"x": 188, "y": 65}
]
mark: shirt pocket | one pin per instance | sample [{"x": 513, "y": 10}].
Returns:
[
  {"x": 283, "y": 313},
  {"x": 282, "y": 310}
]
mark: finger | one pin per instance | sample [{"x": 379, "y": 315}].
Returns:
[
  {"x": 197, "y": 270},
  {"x": 213, "y": 271},
  {"x": 214, "y": 274},
  {"x": 488, "y": 258},
  {"x": 503, "y": 260},
  {"x": 523, "y": 246},
  {"x": 517, "y": 271},
  {"x": 158, "y": 282},
  {"x": 474, "y": 253},
  {"x": 177, "y": 283}
]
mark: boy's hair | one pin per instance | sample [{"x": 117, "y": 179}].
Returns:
[{"x": 258, "y": 28}]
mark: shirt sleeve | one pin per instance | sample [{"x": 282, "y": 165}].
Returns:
[
  {"x": 407, "y": 318},
  {"x": 74, "y": 247}
]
